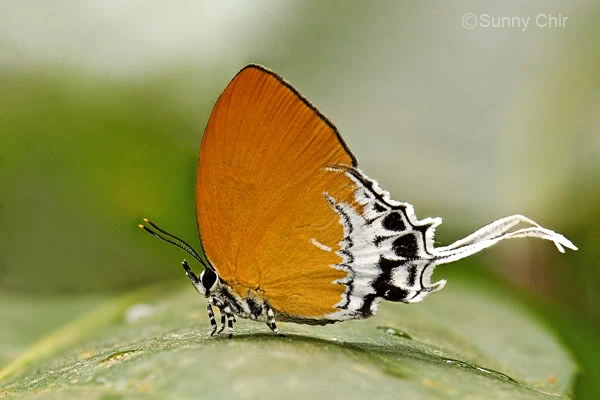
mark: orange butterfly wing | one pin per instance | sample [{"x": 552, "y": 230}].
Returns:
[{"x": 265, "y": 223}]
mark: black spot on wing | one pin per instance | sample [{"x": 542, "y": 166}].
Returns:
[
  {"x": 388, "y": 265},
  {"x": 384, "y": 287},
  {"x": 394, "y": 222},
  {"x": 406, "y": 246},
  {"x": 378, "y": 207},
  {"x": 412, "y": 275}
]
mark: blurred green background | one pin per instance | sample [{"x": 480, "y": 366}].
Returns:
[{"x": 103, "y": 104}]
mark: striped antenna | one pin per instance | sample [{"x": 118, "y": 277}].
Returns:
[{"x": 170, "y": 238}]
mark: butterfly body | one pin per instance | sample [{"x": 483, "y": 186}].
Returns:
[
  {"x": 251, "y": 306},
  {"x": 294, "y": 231}
]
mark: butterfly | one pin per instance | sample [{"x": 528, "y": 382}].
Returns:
[{"x": 290, "y": 227}]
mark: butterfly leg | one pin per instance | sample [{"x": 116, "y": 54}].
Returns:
[
  {"x": 227, "y": 316},
  {"x": 223, "y": 319},
  {"x": 211, "y": 315},
  {"x": 230, "y": 318},
  {"x": 271, "y": 321}
]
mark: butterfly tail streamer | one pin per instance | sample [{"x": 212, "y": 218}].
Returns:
[{"x": 493, "y": 233}]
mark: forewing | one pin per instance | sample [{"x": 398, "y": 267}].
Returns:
[{"x": 268, "y": 161}]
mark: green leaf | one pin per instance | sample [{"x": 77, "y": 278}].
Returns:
[{"x": 464, "y": 342}]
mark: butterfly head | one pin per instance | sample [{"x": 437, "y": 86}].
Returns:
[{"x": 209, "y": 280}]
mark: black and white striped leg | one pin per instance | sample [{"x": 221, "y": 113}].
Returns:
[
  {"x": 211, "y": 315},
  {"x": 230, "y": 318},
  {"x": 271, "y": 321},
  {"x": 223, "y": 319}
]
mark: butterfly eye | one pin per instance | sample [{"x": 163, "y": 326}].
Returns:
[{"x": 209, "y": 279}]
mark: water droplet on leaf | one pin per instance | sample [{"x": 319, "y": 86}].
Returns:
[{"x": 394, "y": 332}]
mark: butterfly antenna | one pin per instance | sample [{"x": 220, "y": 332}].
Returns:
[{"x": 170, "y": 238}]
